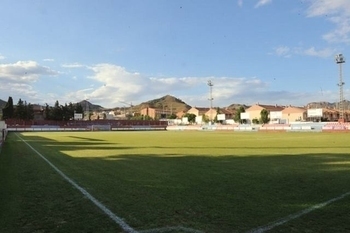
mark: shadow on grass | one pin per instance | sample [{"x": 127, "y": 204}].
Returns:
[{"x": 87, "y": 139}]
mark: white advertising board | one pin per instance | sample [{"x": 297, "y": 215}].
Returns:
[
  {"x": 78, "y": 116},
  {"x": 185, "y": 120},
  {"x": 275, "y": 115},
  {"x": 245, "y": 116},
  {"x": 199, "y": 119},
  {"x": 221, "y": 117},
  {"x": 316, "y": 112}
]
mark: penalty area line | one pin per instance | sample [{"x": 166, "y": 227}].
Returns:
[
  {"x": 107, "y": 211},
  {"x": 296, "y": 215}
]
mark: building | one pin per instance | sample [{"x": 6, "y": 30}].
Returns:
[
  {"x": 254, "y": 112},
  {"x": 292, "y": 114},
  {"x": 198, "y": 111}
]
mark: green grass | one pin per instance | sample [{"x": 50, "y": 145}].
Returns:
[{"x": 209, "y": 181}]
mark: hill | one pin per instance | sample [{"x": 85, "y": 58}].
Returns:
[
  {"x": 91, "y": 107},
  {"x": 237, "y": 106},
  {"x": 168, "y": 102},
  {"x": 328, "y": 105}
]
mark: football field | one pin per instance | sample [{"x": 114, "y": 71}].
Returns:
[{"x": 200, "y": 181}]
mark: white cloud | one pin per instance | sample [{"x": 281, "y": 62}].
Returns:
[
  {"x": 2, "y": 57},
  {"x": 282, "y": 51},
  {"x": 19, "y": 90},
  {"x": 324, "y": 53},
  {"x": 73, "y": 65},
  {"x": 337, "y": 12},
  {"x": 117, "y": 84},
  {"x": 49, "y": 59},
  {"x": 262, "y": 3},
  {"x": 17, "y": 79},
  {"x": 240, "y": 3},
  {"x": 328, "y": 7},
  {"x": 110, "y": 85},
  {"x": 23, "y": 71}
]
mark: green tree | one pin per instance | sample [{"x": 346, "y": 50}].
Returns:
[
  {"x": 78, "y": 108},
  {"x": 205, "y": 119},
  {"x": 142, "y": 117},
  {"x": 191, "y": 117},
  {"x": 172, "y": 116},
  {"x": 29, "y": 111},
  {"x": 48, "y": 112},
  {"x": 65, "y": 112},
  {"x": 264, "y": 116},
  {"x": 57, "y": 113},
  {"x": 255, "y": 121},
  {"x": 237, "y": 117},
  {"x": 70, "y": 111},
  {"x": 20, "y": 111},
  {"x": 8, "y": 110}
]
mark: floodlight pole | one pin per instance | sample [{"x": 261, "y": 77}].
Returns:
[
  {"x": 210, "y": 84},
  {"x": 87, "y": 109},
  {"x": 340, "y": 59}
]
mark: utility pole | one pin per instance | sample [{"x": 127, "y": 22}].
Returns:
[
  {"x": 210, "y": 84},
  {"x": 340, "y": 59},
  {"x": 87, "y": 109},
  {"x": 130, "y": 115}
]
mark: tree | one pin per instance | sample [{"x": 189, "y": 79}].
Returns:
[
  {"x": 191, "y": 117},
  {"x": 48, "y": 112},
  {"x": 57, "y": 112},
  {"x": 29, "y": 112},
  {"x": 172, "y": 116},
  {"x": 264, "y": 116},
  {"x": 237, "y": 117},
  {"x": 205, "y": 119},
  {"x": 79, "y": 108},
  {"x": 8, "y": 110},
  {"x": 218, "y": 111},
  {"x": 147, "y": 118},
  {"x": 20, "y": 111}
]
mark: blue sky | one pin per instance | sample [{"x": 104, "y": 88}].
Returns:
[{"x": 114, "y": 51}]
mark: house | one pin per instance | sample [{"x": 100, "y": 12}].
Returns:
[
  {"x": 155, "y": 113},
  {"x": 291, "y": 114},
  {"x": 254, "y": 112},
  {"x": 151, "y": 112},
  {"x": 211, "y": 114},
  {"x": 228, "y": 113},
  {"x": 198, "y": 111},
  {"x": 330, "y": 114},
  {"x": 38, "y": 112}
]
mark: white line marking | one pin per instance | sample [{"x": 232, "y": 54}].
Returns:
[
  {"x": 114, "y": 217},
  {"x": 296, "y": 215},
  {"x": 169, "y": 229}
]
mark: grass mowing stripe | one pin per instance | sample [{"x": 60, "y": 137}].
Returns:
[
  {"x": 296, "y": 215},
  {"x": 114, "y": 217}
]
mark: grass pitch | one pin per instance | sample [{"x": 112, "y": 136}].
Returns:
[{"x": 207, "y": 181}]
